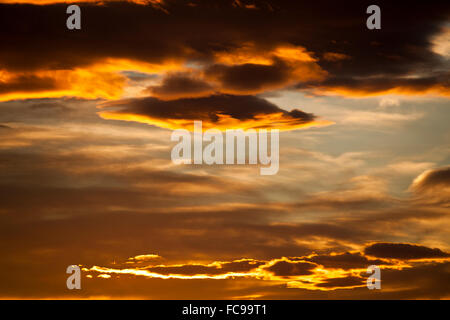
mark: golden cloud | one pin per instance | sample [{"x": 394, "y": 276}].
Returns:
[
  {"x": 314, "y": 272},
  {"x": 102, "y": 80},
  {"x": 216, "y": 111}
]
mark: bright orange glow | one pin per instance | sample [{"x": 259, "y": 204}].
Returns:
[
  {"x": 248, "y": 53},
  {"x": 100, "y": 80},
  {"x": 148, "y": 274},
  {"x": 262, "y": 121},
  {"x": 122, "y": 64},
  {"x": 261, "y": 271},
  {"x": 84, "y": 83},
  {"x": 300, "y": 65},
  {"x": 144, "y": 257},
  {"x": 292, "y": 53}
]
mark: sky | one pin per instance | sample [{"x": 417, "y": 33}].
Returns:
[{"x": 86, "y": 176}]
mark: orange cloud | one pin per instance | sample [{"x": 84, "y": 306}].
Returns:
[
  {"x": 100, "y": 80},
  {"x": 294, "y": 272},
  {"x": 276, "y": 121},
  {"x": 249, "y": 69},
  {"x": 145, "y": 257},
  {"x": 83, "y": 83},
  {"x": 216, "y": 111},
  {"x": 335, "y": 56},
  {"x": 436, "y": 84},
  {"x": 432, "y": 187}
]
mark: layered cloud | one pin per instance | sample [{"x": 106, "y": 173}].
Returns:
[
  {"x": 89, "y": 84},
  {"x": 370, "y": 190},
  {"x": 181, "y": 85},
  {"x": 437, "y": 84},
  {"x": 268, "y": 46},
  {"x": 319, "y": 272},
  {"x": 404, "y": 251},
  {"x": 216, "y": 111}
]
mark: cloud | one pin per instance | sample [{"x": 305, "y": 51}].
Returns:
[
  {"x": 248, "y": 77},
  {"x": 90, "y": 83},
  {"x": 345, "y": 260},
  {"x": 286, "y": 268},
  {"x": 441, "y": 42},
  {"x": 433, "y": 186},
  {"x": 214, "y": 269},
  {"x": 180, "y": 85},
  {"x": 409, "y": 167},
  {"x": 252, "y": 70},
  {"x": 274, "y": 47},
  {"x": 78, "y": 189},
  {"x": 350, "y": 281},
  {"x": 49, "y": 106},
  {"x": 423, "y": 281},
  {"x": 335, "y": 56},
  {"x": 218, "y": 111},
  {"x": 436, "y": 84},
  {"x": 296, "y": 273},
  {"x": 276, "y": 269},
  {"x": 403, "y": 251},
  {"x": 145, "y": 257},
  {"x": 377, "y": 118},
  {"x": 2, "y": 126},
  {"x": 25, "y": 83},
  {"x": 431, "y": 179},
  {"x": 389, "y": 102}
]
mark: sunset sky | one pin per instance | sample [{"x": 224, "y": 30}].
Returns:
[{"x": 86, "y": 175}]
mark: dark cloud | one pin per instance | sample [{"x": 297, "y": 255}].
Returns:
[
  {"x": 432, "y": 187},
  {"x": 291, "y": 268},
  {"x": 439, "y": 82},
  {"x": 241, "y": 265},
  {"x": 180, "y": 85},
  {"x": 428, "y": 281},
  {"x": 186, "y": 270},
  {"x": 139, "y": 76},
  {"x": 209, "y": 109},
  {"x": 345, "y": 260},
  {"x": 350, "y": 281},
  {"x": 249, "y": 77},
  {"x": 195, "y": 269},
  {"x": 198, "y": 33},
  {"x": 433, "y": 178},
  {"x": 27, "y": 83},
  {"x": 403, "y": 251}
]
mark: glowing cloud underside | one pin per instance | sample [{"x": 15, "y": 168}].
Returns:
[
  {"x": 263, "y": 121},
  {"x": 310, "y": 272}
]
